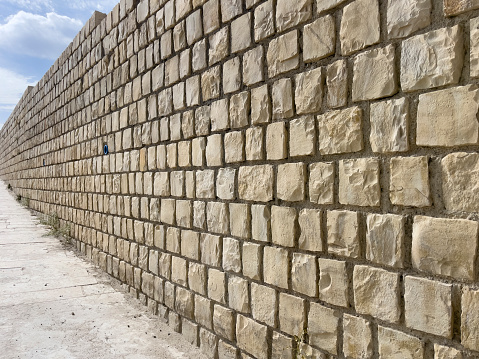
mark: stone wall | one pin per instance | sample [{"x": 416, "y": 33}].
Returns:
[{"x": 288, "y": 176}]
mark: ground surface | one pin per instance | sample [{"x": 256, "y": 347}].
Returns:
[{"x": 54, "y": 304}]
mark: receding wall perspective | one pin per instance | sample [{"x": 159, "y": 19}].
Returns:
[{"x": 275, "y": 178}]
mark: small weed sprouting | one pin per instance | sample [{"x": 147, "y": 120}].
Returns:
[
  {"x": 25, "y": 201},
  {"x": 56, "y": 228},
  {"x": 9, "y": 187},
  {"x": 299, "y": 340},
  {"x": 19, "y": 198}
]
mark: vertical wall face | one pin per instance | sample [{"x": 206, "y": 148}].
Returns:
[{"x": 272, "y": 167}]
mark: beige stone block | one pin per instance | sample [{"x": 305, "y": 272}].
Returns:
[
  {"x": 260, "y": 105},
  {"x": 409, "y": 181},
  {"x": 205, "y": 184},
  {"x": 251, "y": 260},
  {"x": 337, "y": 84},
  {"x": 194, "y": 27},
  {"x": 190, "y": 242},
  {"x": 302, "y": 136},
  {"x": 283, "y": 220},
  {"x": 179, "y": 36},
  {"x": 184, "y": 303},
  {"x": 321, "y": 183},
  {"x": 323, "y": 5},
  {"x": 184, "y": 213},
  {"x": 197, "y": 277},
  {"x": 211, "y": 249},
  {"x": 210, "y": 83},
  {"x": 226, "y": 351},
  {"x": 397, "y": 345},
  {"x": 255, "y": 183},
  {"x": 460, "y": 173},
  {"x": 376, "y": 293},
  {"x": 443, "y": 352},
  {"x": 282, "y": 97},
  {"x": 183, "y": 7},
  {"x": 456, "y": 7},
  {"x": 254, "y": 146},
  {"x": 217, "y": 217},
  {"x": 443, "y": 52},
  {"x": 474, "y": 50},
  {"x": 220, "y": 115},
  {"x": 359, "y": 26},
  {"x": 343, "y": 236},
  {"x": 276, "y": 266},
  {"x": 253, "y": 66},
  {"x": 374, "y": 74},
  {"x": 168, "y": 211},
  {"x": 333, "y": 282},
  {"x": 234, "y": 147},
  {"x": 357, "y": 337},
  {"x": 340, "y": 131},
  {"x": 290, "y": 14},
  {"x": 241, "y": 33},
  {"x": 323, "y": 328},
  {"x": 161, "y": 184},
  {"x": 319, "y": 39},
  {"x": 291, "y": 182},
  {"x": 231, "y": 255},
  {"x": 203, "y": 311},
  {"x": 223, "y": 322},
  {"x": 264, "y": 21},
  {"x": 252, "y": 337},
  {"x": 202, "y": 120},
  {"x": 214, "y": 150},
  {"x": 238, "y": 294},
  {"x": 208, "y": 343},
  {"x": 427, "y": 306},
  {"x": 198, "y": 58},
  {"x": 199, "y": 214},
  {"x": 184, "y": 154},
  {"x": 192, "y": 94},
  {"x": 448, "y": 117},
  {"x": 260, "y": 222},
  {"x": 291, "y": 314},
  {"x": 177, "y": 180},
  {"x": 263, "y": 304},
  {"x": 219, "y": 46},
  {"x": 359, "y": 182},
  {"x": 276, "y": 141},
  {"x": 173, "y": 239},
  {"x": 385, "y": 239},
  {"x": 225, "y": 183},
  {"x": 445, "y": 246},
  {"x": 309, "y": 91},
  {"x": 232, "y": 75},
  {"x": 407, "y": 17},
  {"x": 281, "y": 346},
  {"x": 303, "y": 274},
  {"x": 190, "y": 331},
  {"x": 230, "y": 9},
  {"x": 240, "y": 105},
  {"x": 240, "y": 220},
  {"x": 470, "y": 318},
  {"x": 217, "y": 285},
  {"x": 283, "y": 54},
  {"x": 211, "y": 16}
]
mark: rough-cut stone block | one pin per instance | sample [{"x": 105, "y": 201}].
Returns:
[
  {"x": 460, "y": 181},
  {"x": 240, "y": 220},
  {"x": 223, "y": 322},
  {"x": 321, "y": 183},
  {"x": 291, "y": 314},
  {"x": 343, "y": 236},
  {"x": 203, "y": 311},
  {"x": 323, "y": 327},
  {"x": 208, "y": 343},
  {"x": 241, "y": 33},
  {"x": 276, "y": 148},
  {"x": 252, "y": 337},
  {"x": 220, "y": 115},
  {"x": 263, "y": 304},
  {"x": 260, "y": 105},
  {"x": 276, "y": 266},
  {"x": 231, "y": 255},
  {"x": 211, "y": 16},
  {"x": 282, "y": 96},
  {"x": 302, "y": 136},
  {"x": 374, "y": 74},
  {"x": 217, "y": 285},
  {"x": 310, "y": 230},
  {"x": 255, "y": 183},
  {"x": 319, "y": 39},
  {"x": 211, "y": 249},
  {"x": 283, "y": 221},
  {"x": 359, "y": 26},
  {"x": 456, "y": 7},
  {"x": 357, "y": 337},
  {"x": 289, "y": 14},
  {"x": 337, "y": 84},
  {"x": 443, "y": 352},
  {"x": 283, "y": 54},
  {"x": 238, "y": 294},
  {"x": 252, "y": 256},
  {"x": 309, "y": 91},
  {"x": 226, "y": 351},
  {"x": 291, "y": 182},
  {"x": 470, "y": 318},
  {"x": 474, "y": 49},
  {"x": 217, "y": 216},
  {"x": 409, "y": 181},
  {"x": 448, "y": 117},
  {"x": 333, "y": 282},
  {"x": 433, "y": 59},
  {"x": 323, "y": 5},
  {"x": 234, "y": 147},
  {"x": 225, "y": 183},
  {"x": 385, "y": 239},
  {"x": 230, "y": 9},
  {"x": 260, "y": 224},
  {"x": 205, "y": 184},
  {"x": 210, "y": 83},
  {"x": 407, "y": 17},
  {"x": 445, "y": 246},
  {"x": 359, "y": 182},
  {"x": 389, "y": 126},
  {"x": 303, "y": 274},
  {"x": 253, "y": 66},
  {"x": 264, "y": 21},
  {"x": 281, "y": 346},
  {"x": 340, "y": 131},
  {"x": 240, "y": 109},
  {"x": 394, "y": 344},
  {"x": 232, "y": 75}
]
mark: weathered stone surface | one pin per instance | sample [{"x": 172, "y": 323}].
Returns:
[
  {"x": 337, "y": 84},
  {"x": 231, "y": 255},
  {"x": 281, "y": 346},
  {"x": 333, "y": 282},
  {"x": 460, "y": 181},
  {"x": 230, "y": 9},
  {"x": 226, "y": 351},
  {"x": 211, "y": 16},
  {"x": 263, "y": 304},
  {"x": 406, "y": 17},
  {"x": 211, "y": 249},
  {"x": 357, "y": 337},
  {"x": 289, "y": 14},
  {"x": 205, "y": 184},
  {"x": 448, "y": 117},
  {"x": 210, "y": 83},
  {"x": 470, "y": 318},
  {"x": 208, "y": 343},
  {"x": 240, "y": 222},
  {"x": 385, "y": 239},
  {"x": 217, "y": 285},
  {"x": 343, "y": 237},
  {"x": 432, "y": 59},
  {"x": 252, "y": 254},
  {"x": 456, "y": 7},
  {"x": 427, "y": 306},
  {"x": 225, "y": 183},
  {"x": 359, "y": 182},
  {"x": 283, "y": 221},
  {"x": 409, "y": 181},
  {"x": 232, "y": 75},
  {"x": 264, "y": 21},
  {"x": 260, "y": 222},
  {"x": 240, "y": 105},
  {"x": 276, "y": 147},
  {"x": 283, "y": 54},
  {"x": 282, "y": 98},
  {"x": 376, "y": 292},
  {"x": 255, "y": 183},
  {"x": 253, "y": 66},
  {"x": 302, "y": 136},
  {"x": 375, "y": 74},
  {"x": 340, "y": 131},
  {"x": 252, "y": 337},
  {"x": 397, "y": 345},
  {"x": 310, "y": 230},
  {"x": 291, "y": 313},
  {"x": 309, "y": 91},
  {"x": 443, "y": 352},
  {"x": 217, "y": 217},
  {"x": 389, "y": 126},
  {"x": 276, "y": 266},
  {"x": 260, "y": 105},
  {"x": 319, "y": 39},
  {"x": 445, "y": 246},
  {"x": 238, "y": 294},
  {"x": 359, "y": 26},
  {"x": 291, "y": 182},
  {"x": 323, "y": 5},
  {"x": 234, "y": 147},
  {"x": 303, "y": 274},
  {"x": 323, "y": 327},
  {"x": 203, "y": 311},
  {"x": 474, "y": 50},
  {"x": 321, "y": 183}
]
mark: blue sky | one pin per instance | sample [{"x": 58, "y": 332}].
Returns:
[{"x": 33, "y": 33}]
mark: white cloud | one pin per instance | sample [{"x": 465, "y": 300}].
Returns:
[
  {"x": 33, "y": 5},
  {"x": 12, "y": 87},
  {"x": 104, "y": 5},
  {"x": 38, "y": 36}
]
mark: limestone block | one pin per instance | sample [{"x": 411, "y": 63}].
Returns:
[
  {"x": 253, "y": 66},
  {"x": 183, "y": 7},
  {"x": 444, "y": 246},
  {"x": 456, "y": 7},
  {"x": 254, "y": 146},
  {"x": 443, "y": 352},
  {"x": 172, "y": 73},
  {"x": 208, "y": 343},
  {"x": 308, "y": 91},
  {"x": 302, "y": 136},
  {"x": 359, "y": 182},
  {"x": 291, "y": 182},
  {"x": 340, "y": 131},
  {"x": 178, "y": 270},
  {"x": 217, "y": 285},
  {"x": 197, "y": 278},
  {"x": 179, "y": 36},
  {"x": 217, "y": 217},
  {"x": 223, "y": 322},
  {"x": 240, "y": 220},
  {"x": 470, "y": 318},
  {"x": 290, "y": 14},
  {"x": 177, "y": 180},
  {"x": 220, "y": 115},
  {"x": 219, "y": 46},
  {"x": 263, "y": 304},
  {"x": 323, "y": 5},
  {"x": 214, "y": 150},
  {"x": 385, "y": 239},
  {"x": 168, "y": 211},
  {"x": 323, "y": 328},
  {"x": 211, "y": 249},
  {"x": 337, "y": 84},
  {"x": 376, "y": 293},
  {"x": 240, "y": 105},
  {"x": 251, "y": 260},
  {"x": 303, "y": 274},
  {"x": 252, "y": 337},
  {"x": 184, "y": 211},
  {"x": 321, "y": 183},
  {"x": 264, "y": 21},
  {"x": 231, "y": 255},
  {"x": 319, "y": 39},
  {"x": 190, "y": 244},
  {"x": 333, "y": 282},
  {"x": 260, "y": 222},
  {"x": 226, "y": 351},
  {"x": 184, "y": 302},
  {"x": 432, "y": 59},
  {"x": 238, "y": 294},
  {"x": 260, "y": 105},
  {"x": 283, "y": 54},
  {"x": 161, "y": 184},
  {"x": 276, "y": 266},
  {"x": 192, "y": 94},
  {"x": 283, "y": 221},
  {"x": 225, "y": 183},
  {"x": 310, "y": 230},
  {"x": 203, "y": 311},
  {"x": 448, "y": 117},
  {"x": 194, "y": 28},
  {"x": 374, "y": 74},
  {"x": 282, "y": 98},
  {"x": 409, "y": 181},
  {"x": 291, "y": 314},
  {"x": 166, "y": 44},
  {"x": 210, "y": 83},
  {"x": 460, "y": 173},
  {"x": 202, "y": 121},
  {"x": 389, "y": 126},
  {"x": 407, "y": 17},
  {"x": 281, "y": 346},
  {"x": 343, "y": 236},
  {"x": 164, "y": 265},
  {"x": 276, "y": 141},
  {"x": 198, "y": 56},
  {"x": 230, "y": 9},
  {"x": 255, "y": 183},
  {"x": 211, "y": 16},
  {"x": 173, "y": 239},
  {"x": 359, "y": 26},
  {"x": 231, "y": 75},
  {"x": 241, "y": 33},
  {"x": 205, "y": 184},
  {"x": 357, "y": 337},
  {"x": 427, "y": 306},
  {"x": 474, "y": 50},
  {"x": 397, "y": 345},
  {"x": 199, "y": 214}
]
